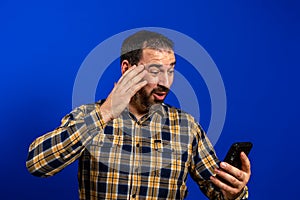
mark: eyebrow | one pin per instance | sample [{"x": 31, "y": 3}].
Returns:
[{"x": 159, "y": 65}]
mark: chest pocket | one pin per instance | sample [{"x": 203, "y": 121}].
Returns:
[
  {"x": 107, "y": 140},
  {"x": 170, "y": 157},
  {"x": 105, "y": 149}
]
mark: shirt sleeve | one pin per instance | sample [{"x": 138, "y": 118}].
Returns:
[
  {"x": 204, "y": 162},
  {"x": 52, "y": 152}
]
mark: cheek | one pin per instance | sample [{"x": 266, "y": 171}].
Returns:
[
  {"x": 171, "y": 79},
  {"x": 149, "y": 87},
  {"x": 151, "y": 80}
]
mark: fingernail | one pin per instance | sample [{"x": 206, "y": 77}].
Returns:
[
  {"x": 242, "y": 154},
  {"x": 223, "y": 165},
  {"x": 141, "y": 67}
]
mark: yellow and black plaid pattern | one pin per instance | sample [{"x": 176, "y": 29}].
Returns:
[{"x": 128, "y": 158}]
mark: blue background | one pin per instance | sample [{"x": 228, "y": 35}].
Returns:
[{"x": 255, "y": 45}]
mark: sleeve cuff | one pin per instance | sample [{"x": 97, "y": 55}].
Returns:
[
  {"x": 243, "y": 195},
  {"x": 95, "y": 121}
]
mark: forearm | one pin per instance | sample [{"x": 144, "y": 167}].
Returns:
[{"x": 55, "y": 150}]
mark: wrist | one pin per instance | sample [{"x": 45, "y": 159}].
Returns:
[
  {"x": 243, "y": 194},
  {"x": 105, "y": 113}
]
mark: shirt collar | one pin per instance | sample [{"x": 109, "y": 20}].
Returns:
[{"x": 155, "y": 110}]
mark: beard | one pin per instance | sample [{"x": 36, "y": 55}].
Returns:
[{"x": 143, "y": 102}]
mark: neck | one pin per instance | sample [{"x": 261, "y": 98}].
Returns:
[{"x": 136, "y": 111}]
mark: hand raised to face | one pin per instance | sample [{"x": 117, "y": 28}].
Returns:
[{"x": 129, "y": 83}]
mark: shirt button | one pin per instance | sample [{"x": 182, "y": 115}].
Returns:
[
  {"x": 138, "y": 145},
  {"x": 133, "y": 196}
]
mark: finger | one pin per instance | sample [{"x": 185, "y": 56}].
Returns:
[
  {"x": 126, "y": 72},
  {"x": 132, "y": 82},
  {"x": 235, "y": 172},
  {"x": 222, "y": 186},
  {"x": 121, "y": 86},
  {"x": 227, "y": 178},
  {"x": 133, "y": 90},
  {"x": 130, "y": 73},
  {"x": 246, "y": 166}
]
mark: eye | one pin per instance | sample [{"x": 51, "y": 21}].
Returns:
[
  {"x": 171, "y": 72},
  {"x": 154, "y": 71}
]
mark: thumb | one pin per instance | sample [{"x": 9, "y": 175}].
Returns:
[{"x": 245, "y": 163}]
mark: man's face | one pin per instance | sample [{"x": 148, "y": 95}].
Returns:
[{"x": 160, "y": 66}]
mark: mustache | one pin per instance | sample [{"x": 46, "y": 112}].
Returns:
[{"x": 160, "y": 88}]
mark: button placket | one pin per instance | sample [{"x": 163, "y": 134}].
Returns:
[{"x": 136, "y": 160}]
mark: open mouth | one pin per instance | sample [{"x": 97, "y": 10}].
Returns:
[{"x": 160, "y": 96}]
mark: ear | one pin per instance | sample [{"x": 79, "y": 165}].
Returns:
[{"x": 125, "y": 66}]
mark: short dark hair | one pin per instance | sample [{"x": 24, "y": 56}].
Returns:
[{"x": 133, "y": 46}]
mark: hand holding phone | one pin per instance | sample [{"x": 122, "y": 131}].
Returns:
[
  {"x": 233, "y": 156},
  {"x": 233, "y": 178}
]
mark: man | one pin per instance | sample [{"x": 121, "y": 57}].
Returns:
[{"x": 132, "y": 145}]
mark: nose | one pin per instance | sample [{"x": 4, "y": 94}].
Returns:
[{"x": 164, "y": 80}]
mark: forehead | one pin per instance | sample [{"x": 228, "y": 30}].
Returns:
[{"x": 159, "y": 56}]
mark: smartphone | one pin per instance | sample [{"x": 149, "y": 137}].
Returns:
[{"x": 233, "y": 155}]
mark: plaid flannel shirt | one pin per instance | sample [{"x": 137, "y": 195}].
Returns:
[{"x": 128, "y": 158}]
